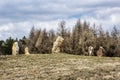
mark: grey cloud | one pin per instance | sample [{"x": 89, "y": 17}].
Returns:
[{"x": 19, "y": 11}]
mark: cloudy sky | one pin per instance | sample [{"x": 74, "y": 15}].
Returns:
[{"x": 18, "y": 16}]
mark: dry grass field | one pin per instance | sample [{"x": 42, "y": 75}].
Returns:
[{"x": 59, "y": 67}]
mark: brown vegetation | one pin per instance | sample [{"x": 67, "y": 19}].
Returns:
[
  {"x": 76, "y": 41},
  {"x": 59, "y": 67}
]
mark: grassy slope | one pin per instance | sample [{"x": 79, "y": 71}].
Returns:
[{"x": 59, "y": 67}]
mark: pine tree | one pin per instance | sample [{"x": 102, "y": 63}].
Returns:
[{"x": 8, "y": 45}]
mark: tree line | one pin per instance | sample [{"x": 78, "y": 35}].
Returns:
[{"x": 76, "y": 41}]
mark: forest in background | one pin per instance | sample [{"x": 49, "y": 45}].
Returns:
[{"x": 76, "y": 41}]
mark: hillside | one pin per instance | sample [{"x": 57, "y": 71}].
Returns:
[{"x": 59, "y": 67}]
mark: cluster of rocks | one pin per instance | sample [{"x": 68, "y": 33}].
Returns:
[
  {"x": 56, "y": 48},
  {"x": 100, "y": 52},
  {"x": 15, "y": 49}
]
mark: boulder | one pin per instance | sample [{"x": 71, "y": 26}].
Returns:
[
  {"x": 57, "y": 44},
  {"x": 90, "y": 51},
  {"x": 27, "y": 51},
  {"x": 15, "y": 48},
  {"x": 100, "y": 52}
]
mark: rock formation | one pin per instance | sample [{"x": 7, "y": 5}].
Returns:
[
  {"x": 57, "y": 44},
  {"x": 90, "y": 51},
  {"x": 100, "y": 52},
  {"x": 27, "y": 51},
  {"x": 15, "y": 48}
]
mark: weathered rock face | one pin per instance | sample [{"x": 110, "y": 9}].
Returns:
[
  {"x": 57, "y": 44},
  {"x": 15, "y": 48},
  {"x": 27, "y": 51},
  {"x": 90, "y": 51},
  {"x": 100, "y": 52}
]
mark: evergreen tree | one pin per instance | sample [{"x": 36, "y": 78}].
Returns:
[{"x": 8, "y": 45}]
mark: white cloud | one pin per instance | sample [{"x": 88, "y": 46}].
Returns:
[
  {"x": 20, "y": 29},
  {"x": 113, "y": 18},
  {"x": 107, "y": 17},
  {"x": 7, "y": 27}
]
